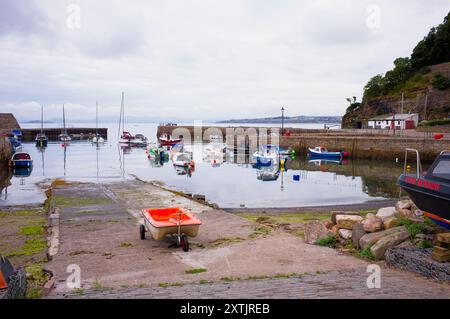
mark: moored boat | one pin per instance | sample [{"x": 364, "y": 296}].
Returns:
[
  {"x": 166, "y": 140},
  {"x": 430, "y": 192},
  {"x": 322, "y": 152},
  {"x": 21, "y": 160}
]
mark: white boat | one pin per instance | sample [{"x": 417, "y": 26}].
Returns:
[
  {"x": 97, "y": 139},
  {"x": 64, "y": 137},
  {"x": 126, "y": 137},
  {"x": 267, "y": 155},
  {"x": 182, "y": 160}
]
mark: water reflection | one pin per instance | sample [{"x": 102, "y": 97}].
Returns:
[{"x": 224, "y": 177}]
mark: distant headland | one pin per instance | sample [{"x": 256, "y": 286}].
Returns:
[{"x": 293, "y": 119}]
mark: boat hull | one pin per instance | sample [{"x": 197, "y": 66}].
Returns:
[
  {"x": 22, "y": 164},
  {"x": 429, "y": 196},
  {"x": 330, "y": 155},
  {"x": 164, "y": 142},
  {"x": 159, "y": 233},
  {"x": 162, "y": 222}
]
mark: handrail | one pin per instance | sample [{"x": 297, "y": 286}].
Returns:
[
  {"x": 444, "y": 152},
  {"x": 419, "y": 166}
]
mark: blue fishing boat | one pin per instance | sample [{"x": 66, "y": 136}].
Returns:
[
  {"x": 266, "y": 156},
  {"x": 15, "y": 143},
  {"x": 322, "y": 152},
  {"x": 21, "y": 160}
]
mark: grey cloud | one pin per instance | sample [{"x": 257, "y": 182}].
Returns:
[{"x": 20, "y": 17}]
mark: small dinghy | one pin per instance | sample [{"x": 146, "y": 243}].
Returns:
[
  {"x": 322, "y": 152},
  {"x": 21, "y": 160},
  {"x": 430, "y": 191},
  {"x": 170, "y": 222}
]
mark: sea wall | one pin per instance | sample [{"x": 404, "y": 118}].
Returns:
[
  {"x": 362, "y": 144},
  {"x": 29, "y": 134}
]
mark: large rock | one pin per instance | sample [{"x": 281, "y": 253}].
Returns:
[
  {"x": 345, "y": 233},
  {"x": 372, "y": 238},
  {"x": 357, "y": 233},
  {"x": 334, "y": 214},
  {"x": 404, "y": 204},
  {"x": 391, "y": 223},
  {"x": 406, "y": 213},
  {"x": 372, "y": 223},
  {"x": 315, "y": 230},
  {"x": 347, "y": 221},
  {"x": 387, "y": 212},
  {"x": 392, "y": 240}
]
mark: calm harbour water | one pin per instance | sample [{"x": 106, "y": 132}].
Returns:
[{"x": 228, "y": 185}]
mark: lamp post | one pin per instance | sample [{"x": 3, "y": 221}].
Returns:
[{"x": 282, "y": 121}]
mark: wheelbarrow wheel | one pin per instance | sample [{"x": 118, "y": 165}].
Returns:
[
  {"x": 142, "y": 231},
  {"x": 184, "y": 243}
]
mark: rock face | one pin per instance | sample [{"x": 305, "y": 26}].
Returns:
[
  {"x": 334, "y": 214},
  {"x": 357, "y": 233},
  {"x": 372, "y": 223},
  {"x": 345, "y": 233},
  {"x": 372, "y": 238},
  {"x": 385, "y": 213},
  {"x": 389, "y": 241},
  {"x": 316, "y": 230},
  {"x": 347, "y": 221}
]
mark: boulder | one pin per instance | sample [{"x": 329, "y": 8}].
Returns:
[
  {"x": 345, "y": 233},
  {"x": 372, "y": 223},
  {"x": 315, "y": 230},
  {"x": 334, "y": 214},
  {"x": 387, "y": 212},
  {"x": 329, "y": 224},
  {"x": 347, "y": 221},
  {"x": 391, "y": 223},
  {"x": 404, "y": 204},
  {"x": 391, "y": 240},
  {"x": 357, "y": 233},
  {"x": 406, "y": 213},
  {"x": 372, "y": 238}
]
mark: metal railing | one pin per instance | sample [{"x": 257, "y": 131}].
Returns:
[{"x": 419, "y": 166}]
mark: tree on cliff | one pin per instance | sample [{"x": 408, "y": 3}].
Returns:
[{"x": 434, "y": 48}]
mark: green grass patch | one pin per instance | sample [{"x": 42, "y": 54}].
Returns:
[
  {"x": 34, "y": 230},
  {"x": 125, "y": 245},
  {"x": 426, "y": 244},
  {"x": 329, "y": 241},
  {"x": 36, "y": 279},
  {"x": 32, "y": 246},
  {"x": 79, "y": 201},
  {"x": 195, "y": 271},
  {"x": 20, "y": 213},
  {"x": 203, "y": 282},
  {"x": 366, "y": 253},
  {"x": 414, "y": 228},
  {"x": 97, "y": 285},
  {"x": 261, "y": 230},
  {"x": 170, "y": 284}
]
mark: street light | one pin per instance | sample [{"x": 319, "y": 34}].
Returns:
[{"x": 282, "y": 121}]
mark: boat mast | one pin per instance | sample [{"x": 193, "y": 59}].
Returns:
[
  {"x": 121, "y": 119},
  {"x": 64, "y": 121},
  {"x": 42, "y": 119},
  {"x": 96, "y": 119}
]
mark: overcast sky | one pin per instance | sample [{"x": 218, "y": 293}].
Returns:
[{"x": 206, "y": 60}]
